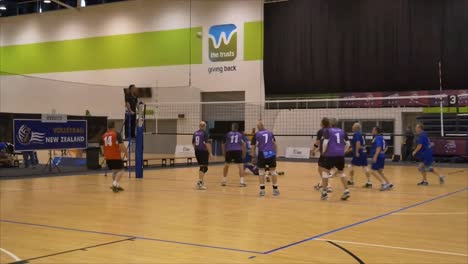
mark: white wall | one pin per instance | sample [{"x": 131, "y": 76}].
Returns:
[{"x": 136, "y": 16}]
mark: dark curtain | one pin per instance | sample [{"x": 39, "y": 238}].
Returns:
[{"x": 324, "y": 46}]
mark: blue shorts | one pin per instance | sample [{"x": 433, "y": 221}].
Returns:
[
  {"x": 361, "y": 161},
  {"x": 379, "y": 165},
  {"x": 426, "y": 159}
]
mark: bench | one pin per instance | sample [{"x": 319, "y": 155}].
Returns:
[{"x": 172, "y": 161}]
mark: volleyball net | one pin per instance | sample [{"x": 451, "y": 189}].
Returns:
[{"x": 295, "y": 122}]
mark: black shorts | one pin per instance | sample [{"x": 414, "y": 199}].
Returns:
[
  {"x": 322, "y": 161},
  {"x": 234, "y": 156},
  {"x": 202, "y": 157},
  {"x": 263, "y": 163},
  {"x": 115, "y": 164},
  {"x": 334, "y": 162}
]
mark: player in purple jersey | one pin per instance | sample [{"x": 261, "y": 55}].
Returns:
[
  {"x": 234, "y": 151},
  {"x": 423, "y": 153},
  {"x": 324, "y": 124},
  {"x": 201, "y": 144},
  {"x": 265, "y": 142},
  {"x": 335, "y": 144}
]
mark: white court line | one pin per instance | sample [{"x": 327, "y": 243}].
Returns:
[
  {"x": 13, "y": 256},
  {"x": 447, "y": 213},
  {"x": 402, "y": 248}
]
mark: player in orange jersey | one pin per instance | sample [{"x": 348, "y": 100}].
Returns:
[{"x": 112, "y": 147}]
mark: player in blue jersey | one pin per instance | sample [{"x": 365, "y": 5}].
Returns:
[
  {"x": 423, "y": 153},
  {"x": 201, "y": 144},
  {"x": 335, "y": 144},
  {"x": 248, "y": 165},
  {"x": 234, "y": 152},
  {"x": 265, "y": 141},
  {"x": 358, "y": 147},
  {"x": 378, "y": 158}
]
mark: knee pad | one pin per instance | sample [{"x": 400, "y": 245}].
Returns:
[
  {"x": 261, "y": 172},
  {"x": 204, "y": 169},
  {"x": 342, "y": 175},
  {"x": 365, "y": 169},
  {"x": 326, "y": 175},
  {"x": 274, "y": 173}
]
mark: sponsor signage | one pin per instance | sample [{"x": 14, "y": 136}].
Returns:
[
  {"x": 38, "y": 135},
  {"x": 297, "y": 153}
]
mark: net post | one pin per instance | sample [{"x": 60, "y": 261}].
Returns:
[{"x": 129, "y": 136}]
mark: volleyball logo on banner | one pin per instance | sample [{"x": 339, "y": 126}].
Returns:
[
  {"x": 38, "y": 135},
  {"x": 26, "y": 136}
]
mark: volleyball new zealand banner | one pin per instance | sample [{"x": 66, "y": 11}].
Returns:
[{"x": 36, "y": 135}]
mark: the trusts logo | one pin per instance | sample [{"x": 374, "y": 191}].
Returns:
[{"x": 222, "y": 42}]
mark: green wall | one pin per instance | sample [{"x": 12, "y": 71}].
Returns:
[
  {"x": 159, "y": 48},
  {"x": 253, "y": 41}
]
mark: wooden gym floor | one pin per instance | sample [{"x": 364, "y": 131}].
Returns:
[{"x": 163, "y": 219}]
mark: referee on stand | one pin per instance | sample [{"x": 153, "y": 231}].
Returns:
[{"x": 131, "y": 102}]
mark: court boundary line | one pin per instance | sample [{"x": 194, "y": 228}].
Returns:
[
  {"x": 11, "y": 255},
  {"x": 394, "y": 247},
  {"x": 72, "y": 250},
  {"x": 436, "y": 213},
  {"x": 363, "y": 221},
  {"x": 134, "y": 237}
]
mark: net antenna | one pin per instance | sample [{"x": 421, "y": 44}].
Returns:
[{"x": 442, "y": 134}]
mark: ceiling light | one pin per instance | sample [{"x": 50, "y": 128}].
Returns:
[
  {"x": 2, "y": 7},
  {"x": 83, "y": 3},
  {"x": 47, "y": 1}
]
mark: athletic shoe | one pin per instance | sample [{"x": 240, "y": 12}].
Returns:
[
  {"x": 389, "y": 186},
  {"x": 345, "y": 196},
  {"x": 262, "y": 193},
  {"x": 120, "y": 188},
  {"x": 114, "y": 189},
  {"x": 350, "y": 183},
  {"x": 276, "y": 192},
  {"x": 423, "y": 183},
  {"x": 201, "y": 186},
  {"x": 318, "y": 187},
  {"x": 385, "y": 187},
  {"x": 243, "y": 184},
  {"x": 324, "y": 196},
  {"x": 442, "y": 179},
  {"x": 223, "y": 183},
  {"x": 367, "y": 185},
  {"x": 329, "y": 189}
]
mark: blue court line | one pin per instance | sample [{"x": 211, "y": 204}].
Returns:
[
  {"x": 362, "y": 222},
  {"x": 135, "y": 237}
]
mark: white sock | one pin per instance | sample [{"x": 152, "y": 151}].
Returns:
[
  {"x": 224, "y": 179},
  {"x": 241, "y": 179},
  {"x": 347, "y": 190},
  {"x": 114, "y": 183}
]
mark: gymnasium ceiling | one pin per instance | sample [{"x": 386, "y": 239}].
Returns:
[{"x": 23, "y": 7}]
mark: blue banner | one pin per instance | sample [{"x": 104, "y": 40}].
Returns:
[{"x": 36, "y": 135}]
